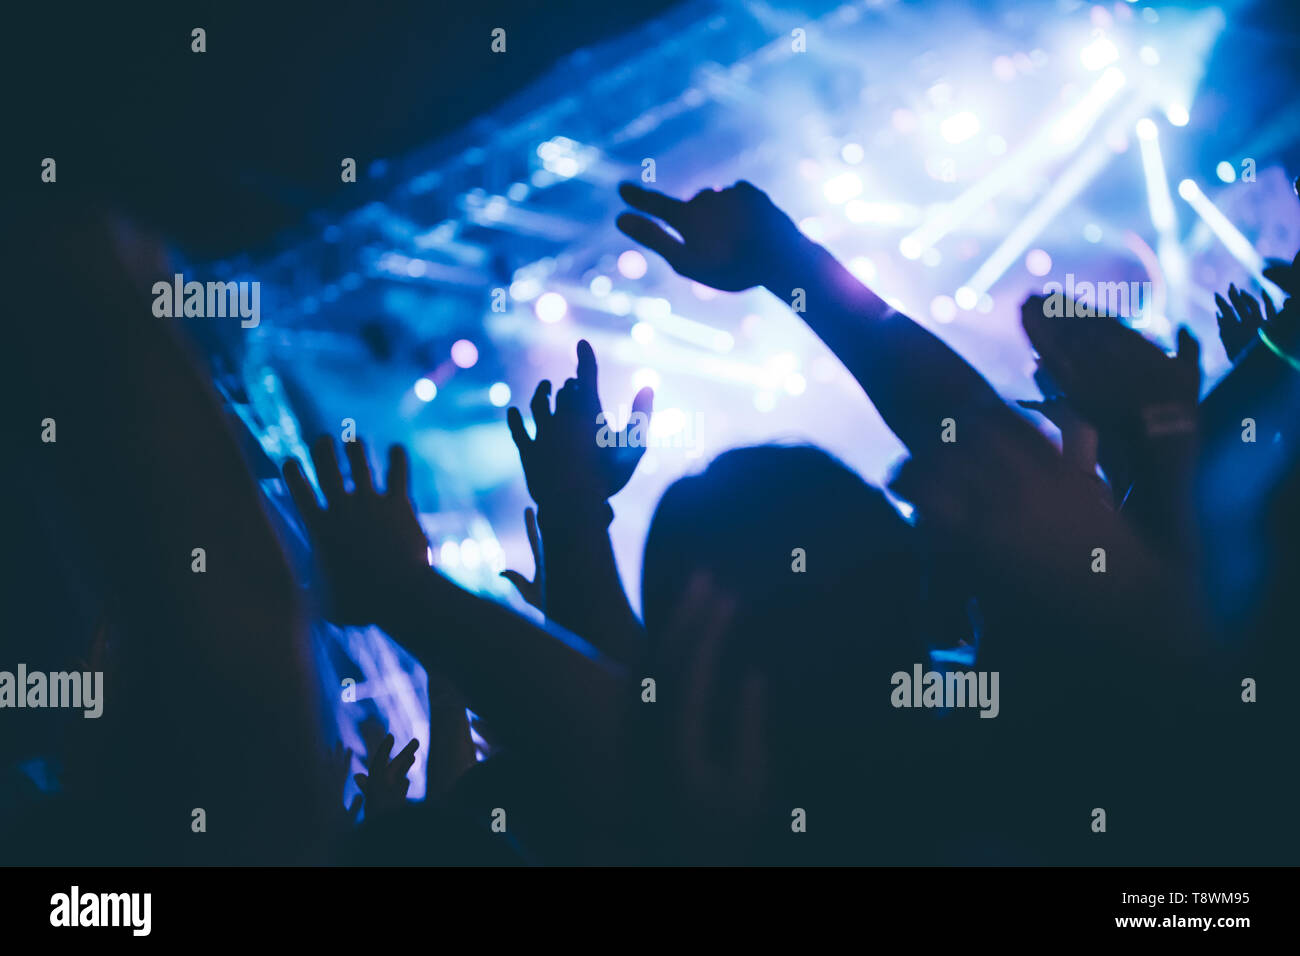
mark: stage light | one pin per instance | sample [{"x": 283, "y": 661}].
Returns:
[
  {"x": 620, "y": 303},
  {"x": 645, "y": 378},
  {"x": 931, "y": 257},
  {"x": 1238, "y": 245},
  {"x": 795, "y": 383},
  {"x": 1092, "y": 232},
  {"x": 499, "y": 394},
  {"x": 416, "y": 268},
  {"x": 649, "y": 308},
  {"x": 887, "y": 213},
  {"x": 1226, "y": 171},
  {"x": 909, "y": 247},
  {"x": 525, "y": 290},
  {"x": 425, "y": 390},
  {"x": 643, "y": 332},
  {"x": 551, "y": 307},
  {"x": 469, "y": 553},
  {"x": 1146, "y": 130},
  {"x": 517, "y": 192},
  {"x": 966, "y": 298},
  {"x": 764, "y": 400},
  {"x": 449, "y": 554},
  {"x": 852, "y": 153},
  {"x": 1177, "y": 114},
  {"x": 1099, "y": 53},
  {"x": 601, "y": 286},
  {"x": 1149, "y": 55},
  {"x": 464, "y": 353},
  {"x": 1038, "y": 262},
  {"x": 943, "y": 308},
  {"x": 842, "y": 188},
  {"x": 813, "y": 228},
  {"x": 940, "y": 94},
  {"x": 863, "y": 269},
  {"x": 960, "y": 127},
  {"x": 666, "y": 423},
  {"x": 631, "y": 264}
]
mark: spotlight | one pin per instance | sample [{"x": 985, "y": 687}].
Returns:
[
  {"x": 1227, "y": 172},
  {"x": 499, "y": 394},
  {"x": 960, "y": 127},
  {"x": 464, "y": 353},
  {"x": 632, "y": 264},
  {"x": 425, "y": 390},
  {"x": 1099, "y": 53},
  {"x": 551, "y": 307},
  {"x": 842, "y": 188}
]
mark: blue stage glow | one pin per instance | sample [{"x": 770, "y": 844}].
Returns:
[{"x": 954, "y": 156}]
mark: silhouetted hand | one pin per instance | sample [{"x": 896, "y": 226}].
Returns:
[
  {"x": 575, "y": 457},
  {"x": 531, "y": 591},
  {"x": 1240, "y": 322},
  {"x": 731, "y": 239},
  {"x": 1114, "y": 377},
  {"x": 369, "y": 544},
  {"x": 385, "y": 784},
  {"x": 342, "y": 763}
]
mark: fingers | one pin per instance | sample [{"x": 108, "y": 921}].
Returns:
[
  {"x": 1270, "y": 311},
  {"x": 518, "y": 432},
  {"x": 328, "y": 475},
  {"x": 650, "y": 201},
  {"x": 541, "y": 407},
  {"x": 568, "y": 400},
  {"x": 1247, "y": 308},
  {"x": 586, "y": 365},
  {"x": 399, "y": 472},
  {"x": 300, "y": 490},
  {"x": 1189, "y": 349},
  {"x": 651, "y": 235},
  {"x": 404, "y": 760},
  {"x": 359, "y": 463},
  {"x": 642, "y": 408}
]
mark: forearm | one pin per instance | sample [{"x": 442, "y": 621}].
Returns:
[
  {"x": 912, "y": 377},
  {"x": 583, "y": 591},
  {"x": 544, "y": 690}
]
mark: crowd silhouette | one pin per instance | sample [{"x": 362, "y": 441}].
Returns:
[{"x": 1130, "y": 588}]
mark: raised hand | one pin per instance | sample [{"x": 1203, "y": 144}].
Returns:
[
  {"x": 1241, "y": 321},
  {"x": 575, "y": 459},
  {"x": 531, "y": 591},
  {"x": 368, "y": 543},
  {"x": 730, "y": 239},
  {"x": 1116, "y": 379},
  {"x": 385, "y": 784}
]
